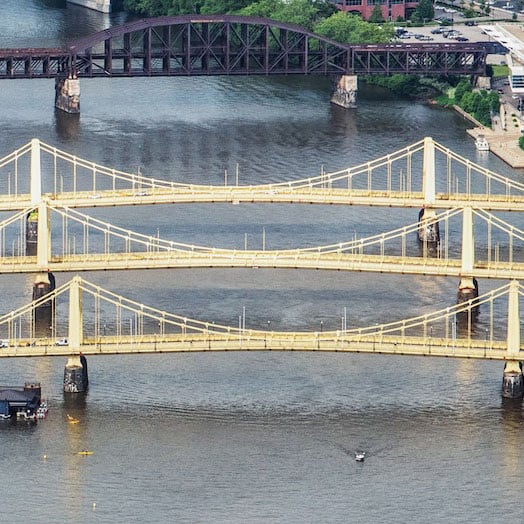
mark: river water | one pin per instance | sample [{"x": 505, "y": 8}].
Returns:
[{"x": 258, "y": 437}]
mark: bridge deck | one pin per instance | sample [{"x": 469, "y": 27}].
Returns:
[
  {"x": 256, "y": 194},
  {"x": 273, "y": 341}
]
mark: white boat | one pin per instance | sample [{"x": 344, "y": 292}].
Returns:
[
  {"x": 481, "y": 143},
  {"x": 360, "y": 456}
]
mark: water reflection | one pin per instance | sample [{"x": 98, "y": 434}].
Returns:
[
  {"x": 512, "y": 418},
  {"x": 67, "y": 125}
]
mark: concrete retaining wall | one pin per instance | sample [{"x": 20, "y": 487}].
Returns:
[{"x": 103, "y": 6}]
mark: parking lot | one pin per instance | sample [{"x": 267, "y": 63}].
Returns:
[{"x": 471, "y": 33}]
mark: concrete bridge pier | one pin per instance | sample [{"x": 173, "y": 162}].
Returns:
[
  {"x": 512, "y": 379},
  {"x": 67, "y": 94},
  {"x": 75, "y": 375},
  {"x": 43, "y": 284},
  {"x": 468, "y": 289},
  {"x": 344, "y": 92},
  {"x": 428, "y": 228}
]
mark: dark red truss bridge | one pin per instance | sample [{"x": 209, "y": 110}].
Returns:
[{"x": 196, "y": 45}]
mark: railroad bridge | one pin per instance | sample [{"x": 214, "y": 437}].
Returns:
[{"x": 203, "y": 45}]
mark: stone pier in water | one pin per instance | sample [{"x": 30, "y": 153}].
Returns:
[
  {"x": 345, "y": 89},
  {"x": 67, "y": 94}
]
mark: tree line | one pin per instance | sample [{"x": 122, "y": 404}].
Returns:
[{"x": 319, "y": 16}]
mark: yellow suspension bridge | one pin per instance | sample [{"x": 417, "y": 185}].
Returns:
[
  {"x": 86, "y": 243},
  {"x": 138, "y": 328},
  {"x": 426, "y": 175},
  {"x": 420, "y": 175}
]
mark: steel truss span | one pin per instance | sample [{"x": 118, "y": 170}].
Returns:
[{"x": 232, "y": 45}]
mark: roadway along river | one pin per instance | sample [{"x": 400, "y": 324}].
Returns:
[{"x": 259, "y": 437}]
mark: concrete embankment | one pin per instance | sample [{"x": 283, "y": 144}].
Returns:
[
  {"x": 104, "y": 6},
  {"x": 503, "y": 137}
]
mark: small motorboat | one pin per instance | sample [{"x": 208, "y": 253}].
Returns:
[
  {"x": 481, "y": 143},
  {"x": 360, "y": 456}
]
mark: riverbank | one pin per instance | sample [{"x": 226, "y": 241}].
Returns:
[{"x": 503, "y": 137}]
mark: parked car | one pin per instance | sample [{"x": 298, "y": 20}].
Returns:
[
  {"x": 470, "y": 22},
  {"x": 4, "y": 343},
  {"x": 62, "y": 342},
  {"x": 461, "y": 39}
]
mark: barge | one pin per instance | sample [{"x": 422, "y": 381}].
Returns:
[{"x": 21, "y": 402}]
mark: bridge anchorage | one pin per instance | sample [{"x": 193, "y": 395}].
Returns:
[
  {"x": 205, "y": 45},
  {"x": 100, "y": 322}
]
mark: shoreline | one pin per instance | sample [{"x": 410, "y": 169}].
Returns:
[{"x": 502, "y": 142}]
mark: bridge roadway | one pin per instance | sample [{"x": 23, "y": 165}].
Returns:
[
  {"x": 424, "y": 265},
  {"x": 265, "y": 194},
  {"x": 326, "y": 342}
]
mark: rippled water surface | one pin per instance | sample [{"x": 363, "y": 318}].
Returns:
[{"x": 253, "y": 437}]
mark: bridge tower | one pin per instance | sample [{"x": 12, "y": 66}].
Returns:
[
  {"x": 428, "y": 228},
  {"x": 38, "y": 241},
  {"x": 513, "y": 380},
  {"x": 75, "y": 372},
  {"x": 468, "y": 285}
]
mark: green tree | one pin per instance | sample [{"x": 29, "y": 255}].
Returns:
[
  {"x": 351, "y": 29},
  {"x": 148, "y": 7},
  {"x": 464, "y": 86},
  {"x": 305, "y": 13},
  {"x": 425, "y": 10},
  {"x": 376, "y": 16}
]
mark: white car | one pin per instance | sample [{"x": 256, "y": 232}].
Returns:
[
  {"x": 62, "y": 342},
  {"x": 4, "y": 343}
]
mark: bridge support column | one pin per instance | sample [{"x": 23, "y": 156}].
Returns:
[
  {"x": 43, "y": 250},
  {"x": 35, "y": 173},
  {"x": 428, "y": 232},
  {"x": 67, "y": 94},
  {"x": 513, "y": 380},
  {"x": 43, "y": 284},
  {"x": 75, "y": 372},
  {"x": 468, "y": 285},
  {"x": 31, "y": 226},
  {"x": 428, "y": 228},
  {"x": 344, "y": 92}
]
